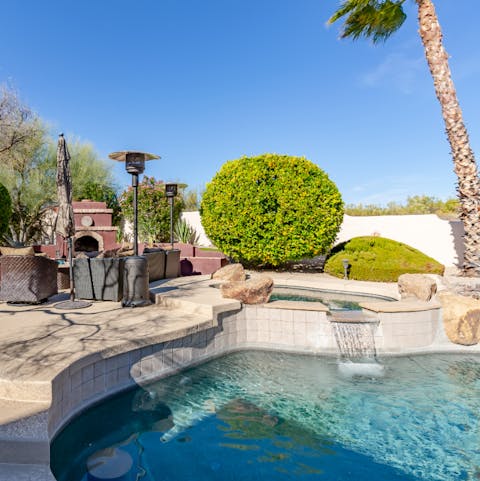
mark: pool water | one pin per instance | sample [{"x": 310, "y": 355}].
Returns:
[
  {"x": 334, "y": 300},
  {"x": 275, "y": 416}
]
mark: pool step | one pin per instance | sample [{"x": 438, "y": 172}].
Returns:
[{"x": 203, "y": 300}]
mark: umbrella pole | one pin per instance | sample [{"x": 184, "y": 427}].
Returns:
[{"x": 70, "y": 262}]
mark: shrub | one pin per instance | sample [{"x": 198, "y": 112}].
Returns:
[
  {"x": 271, "y": 209},
  {"x": 153, "y": 210},
  {"x": 417, "y": 204},
  {"x": 5, "y": 209},
  {"x": 185, "y": 233},
  {"x": 379, "y": 259}
]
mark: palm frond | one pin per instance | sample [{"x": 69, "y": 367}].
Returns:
[
  {"x": 370, "y": 18},
  {"x": 347, "y": 7}
]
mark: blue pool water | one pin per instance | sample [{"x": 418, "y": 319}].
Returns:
[
  {"x": 274, "y": 416},
  {"x": 334, "y": 300}
]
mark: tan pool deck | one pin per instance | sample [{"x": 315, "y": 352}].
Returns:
[{"x": 38, "y": 342}]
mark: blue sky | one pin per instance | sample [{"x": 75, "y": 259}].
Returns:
[{"x": 203, "y": 82}]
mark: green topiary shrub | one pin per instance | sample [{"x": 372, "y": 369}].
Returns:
[
  {"x": 379, "y": 259},
  {"x": 271, "y": 209},
  {"x": 5, "y": 209}
]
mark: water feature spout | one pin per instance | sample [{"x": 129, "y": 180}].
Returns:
[{"x": 355, "y": 337}]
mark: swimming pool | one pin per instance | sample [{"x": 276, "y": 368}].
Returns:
[
  {"x": 334, "y": 300},
  {"x": 268, "y": 415}
]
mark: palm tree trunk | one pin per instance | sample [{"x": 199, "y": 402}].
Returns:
[{"x": 465, "y": 167}]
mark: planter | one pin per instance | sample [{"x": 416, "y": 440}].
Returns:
[
  {"x": 99, "y": 279},
  {"x": 172, "y": 264},
  {"x": 156, "y": 259}
]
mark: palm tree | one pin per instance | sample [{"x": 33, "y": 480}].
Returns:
[{"x": 378, "y": 19}]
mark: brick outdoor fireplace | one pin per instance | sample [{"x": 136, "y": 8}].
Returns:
[
  {"x": 93, "y": 227},
  {"x": 93, "y": 231}
]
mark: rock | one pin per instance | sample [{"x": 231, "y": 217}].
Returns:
[
  {"x": 416, "y": 286},
  {"x": 125, "y": 253},
  {"x": 231, "y": 273},
  {"x": 108, "y": 253},
  {"x": 441, "y": 281},
  {"x": 253, "y": 291},
  {"x": 461, "y": 318}
]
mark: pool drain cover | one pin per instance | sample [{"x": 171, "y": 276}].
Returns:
[{"x": 110, "y": 464}]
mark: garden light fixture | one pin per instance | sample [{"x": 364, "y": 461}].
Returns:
[
  {"x": 346, "y": 265},
  {"x": 170, "y": 193}
]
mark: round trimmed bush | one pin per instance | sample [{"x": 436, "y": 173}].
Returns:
[
  {"x": 379, "y": 259},
  {"x": 270, "y": 209},
  {"x": 5, "y": 209}
]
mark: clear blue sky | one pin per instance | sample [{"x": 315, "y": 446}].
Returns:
[{"x": 203, "y": 82}]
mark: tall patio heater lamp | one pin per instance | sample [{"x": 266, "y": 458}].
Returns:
[
  {"x": 134, "y": 165},
  {"x": 171, "y": 192}
]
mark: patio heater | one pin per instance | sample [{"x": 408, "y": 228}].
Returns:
[
  {"x": 134, "y": 165},
  {"x": 171, "y": 192}
]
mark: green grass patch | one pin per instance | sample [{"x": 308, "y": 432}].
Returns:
[{"x": 379, "y": 259}]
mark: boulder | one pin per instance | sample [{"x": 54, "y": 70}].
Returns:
[
  {"x": 230, "y": 273},
  {"x": 254, "y": 291},
  {"x": 416, "y": 286},
  {"x": 461, "y": 318}
]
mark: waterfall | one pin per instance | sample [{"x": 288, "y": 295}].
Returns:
[{"x": 355, "y": 340}]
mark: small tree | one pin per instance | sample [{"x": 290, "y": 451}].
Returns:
[
  {"x": 153, "y": 210},
  {"x": 5, "y": 209},
  {"x": 102, "y": 192},
  {"x": 191, "y": 199},
  {"x": 18, "y": 126},
  {"x": 271, "y": 209},
  {"x": 29, "y": 173}
]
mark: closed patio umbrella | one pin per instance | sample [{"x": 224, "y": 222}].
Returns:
[{"x": 65, "y": 223}]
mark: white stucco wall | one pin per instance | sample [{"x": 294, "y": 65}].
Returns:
[
  {"x": 440, "y": 239},
  {"x": 193, "y": 219}
]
